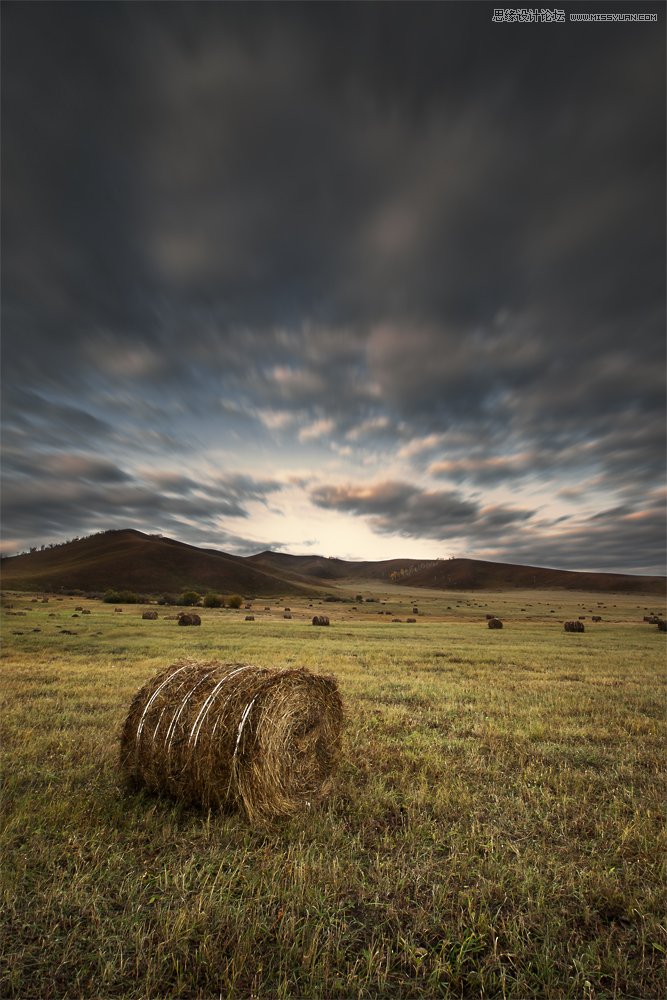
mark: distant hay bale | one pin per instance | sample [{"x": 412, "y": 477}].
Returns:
[
  {"x": 189, "y": 618},
  {"x": 250, "y": 618},
  {"x": 149, "y": 616},
  {"x": 596, "y": 618},
  {"x": 77, "y": 608},
  {"x": 577, "y": 626},
  {"x": 118, "y": 611},
  {"x": 86, "y": 611},
  {"x": 662, "y": 625},
  {"x": 411, "y": 621},
  {"x": 235, "y": 736},
  {"x": 495, "y": 623},
  {"x": 415, "y": 611},
  {"x": 320, "y": 620},
  {"x": 287, "y": 615}
]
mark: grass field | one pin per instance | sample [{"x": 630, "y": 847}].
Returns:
[{"x": 496, "y": 827}]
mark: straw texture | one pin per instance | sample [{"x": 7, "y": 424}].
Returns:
[{"x": 235, "y": 736}]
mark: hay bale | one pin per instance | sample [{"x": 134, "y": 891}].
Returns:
[
  {"x": 320, "y": 620},
  {"x": 495, "y": 623},
  {"x": 189, "y": 618},
  {"x": 118, "y": 611},
  {"x": 415, "y": 611},
  {"x": 411, "y": 621},
  {"x": 250, "y": 618},
  {"x": 577, "y": 626},
  {"x": 86, "y": 611},
  {"x": 662, "y": 625},
  {"x": 597, "y": 618},
  {"x": 235, "y": 736},
  {"x": 287, "y": 615},
  {"x": 150, "y": 616}
]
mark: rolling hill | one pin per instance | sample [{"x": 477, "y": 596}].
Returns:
[
  {"x": 151, "y": 564},
  {"x": 131, "y": 560}
]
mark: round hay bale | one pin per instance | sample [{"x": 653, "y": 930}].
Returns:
[
  {"x": 320, "y": 620},
  {"x": 250, "y": 618},
  {"x": 235, "y": 736},
  {"x": 662, "y": 625},
  {"x": 189, "y": 618},
  {"x": 577, "y": 626},
  {"x": 150, "y": 616},
  {"x": 495, "y": 623},
  {"x": 86, "y": 611},
  {"x": 287, "y": 615},
  {"x": 411, "y": 621}
]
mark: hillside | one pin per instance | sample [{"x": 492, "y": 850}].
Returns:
[
  {"x": 144, "y": 563},
  {"x": 457, "y": 574},
  {"x": 152, "y": 564}
]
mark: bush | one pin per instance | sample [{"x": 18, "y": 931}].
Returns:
[
  {"x": 122, "y": 597},
  {"x": 235, "y": 601},
  {"x": 213, "y": 601},
  {"x": 189, "y": 598}
]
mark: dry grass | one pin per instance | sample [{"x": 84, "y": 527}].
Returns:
[{"x": 495, "y": 827}]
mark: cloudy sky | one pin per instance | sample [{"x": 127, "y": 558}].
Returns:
[{"x": 365, "y": 280}]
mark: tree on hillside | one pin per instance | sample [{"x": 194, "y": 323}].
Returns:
[{"x": 189, "y": 598}]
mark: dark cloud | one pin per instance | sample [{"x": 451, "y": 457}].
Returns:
[
  {"x": 403, "y": 509},
  {"x": 361, "y": 227},
  {"x": 73, "y": 493}
]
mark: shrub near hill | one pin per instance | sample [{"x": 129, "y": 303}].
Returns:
[
  {"x": 189, "y": 599},
  {"x": 235, "y": 601},
  {"x": 123, "y": 597},
  {"x": 213, "y": 601}
]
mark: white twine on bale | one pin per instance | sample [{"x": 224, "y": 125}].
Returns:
[
  {"x": 203, "y": 712},
  {"x": 152, "y": 699},
  {"x": 171, "y": 731},
  {"x": 164, "y": 710},
  {"x": 246, "y": 713}
]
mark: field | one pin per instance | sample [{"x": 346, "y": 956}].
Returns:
[{"x": 495, "y": 830}]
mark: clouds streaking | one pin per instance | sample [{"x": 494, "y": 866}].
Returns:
[{"x": 374, "y": 280}]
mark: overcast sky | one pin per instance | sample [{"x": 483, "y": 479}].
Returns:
[{"x": 365, "y": 280}]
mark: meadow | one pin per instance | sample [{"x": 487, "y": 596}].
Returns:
[{"x": 496, "y": 825}]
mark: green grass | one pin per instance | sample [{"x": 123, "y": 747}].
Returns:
[{"x": 496, "y": 827}]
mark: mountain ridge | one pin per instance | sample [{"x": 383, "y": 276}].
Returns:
[{"x": 130, "y": 559}]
